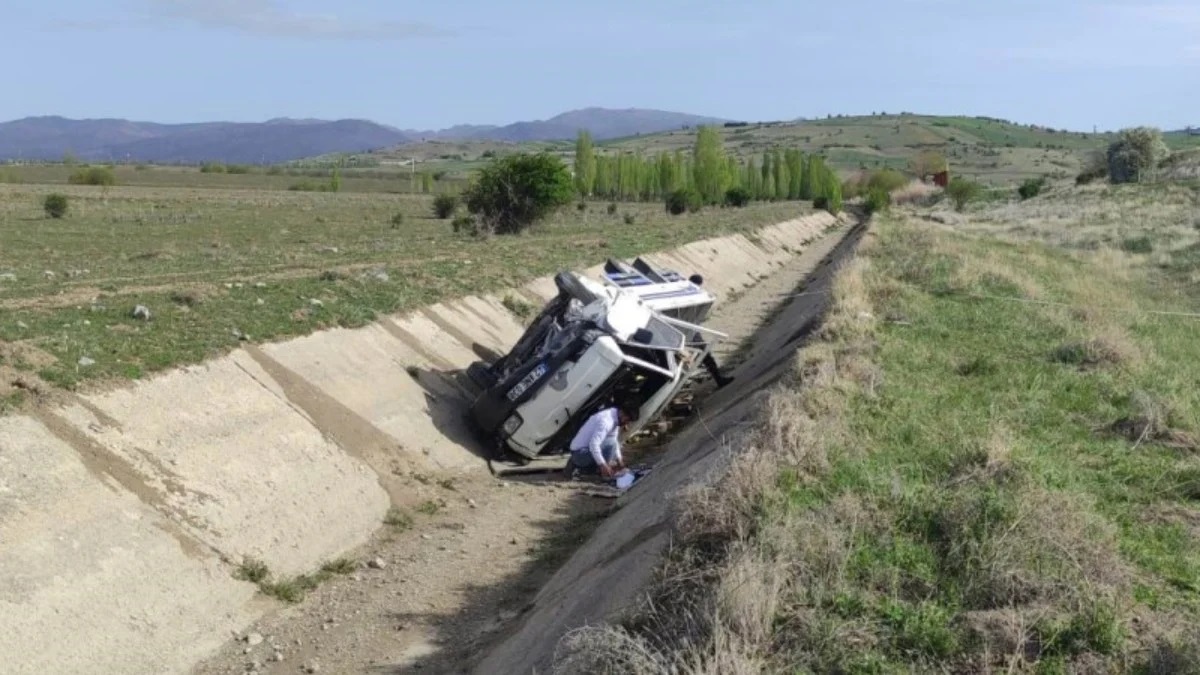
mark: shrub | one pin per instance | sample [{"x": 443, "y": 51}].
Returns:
[
  {"x": 308, "y": 186},
  {"x": 397, "y": 220},
  {"x": 877, "y": 200},
  {"x": 963, "y": 191},
  {"x": 464, "y": 223},
  {"x": 1135, "y": 154},
  {"x": 581, "y": 207},
  {"x": 683, "y": 200},
  {"x": 516, "y": 191},
  {"x": 630, "y": 219},
  {"x": 212, "y": 167},
  {"x": 93, "y": 175},
  {"x": 737, "y": 197},
  {"x": 888, "y": 180},
  {"x": 612, "y": 209},
  {"x": 237, "y": 169},
  {"x": 55, "y": 205},
  {"x": 1032, "y": 187},
  {"x": 444, "y": 206}
]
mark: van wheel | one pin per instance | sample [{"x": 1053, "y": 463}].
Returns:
[{"x": 568, "y": 283}]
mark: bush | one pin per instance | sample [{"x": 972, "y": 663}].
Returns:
[
  {"x": 683, "y": 200},
  {"x": 1032, "y": 187},
  {"x": 878, "y": 200},
  {"x": 630, "y": 219},
  {"x": 464, "y": 223},
  {"x": 444, "y": 206},
  {"x": 581, "y": 207},
  {"x": 516, "y": 191},
  {"x": 888, "y": 180},
  {"x": 308, "y": 186},
  {"x": 397, "y": 220},
  {"x": 612, "y": 209},
  {"x": 93, "y": 175},
  {"x": 212, "y": 167},
  {"x": 737, "y": 197},
  {"x": 55, "y": 205},
  {"x": 962, "y": 192},
  {"x": 237, "y": 169},
  {"x": 1135, "y": 155}
]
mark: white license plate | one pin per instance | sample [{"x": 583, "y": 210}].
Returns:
[{"x": 527, "y": 382}]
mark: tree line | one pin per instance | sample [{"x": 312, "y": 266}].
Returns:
[{"x": 708, "y": 170}]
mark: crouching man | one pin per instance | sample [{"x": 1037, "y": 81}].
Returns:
[{"x": 597, "y": 445}]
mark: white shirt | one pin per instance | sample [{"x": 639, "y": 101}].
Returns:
[{"x": 604, "y": 425}]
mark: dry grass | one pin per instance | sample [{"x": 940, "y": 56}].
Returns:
[{"x": 963, "y": 515}]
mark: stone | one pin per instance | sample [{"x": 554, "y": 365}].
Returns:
[
  {"x": 312, "y": 667},
  {"x": 377, "y": 564},
  {"x": 141, "y": 312},
  {"x": 277, "y": 657},
  {"x": 260, "y": 302},
  {"x": 85, "y": 361},
  {"x": 471, "y": 503},
  {"x": 22, "y": 325},
  {"x": 254, "y": 639},
  {"x": 316, "y": 303},
  {"x": 48, "y": 274},
  {"x": 7, "y": 276},
  {"x": 259, "y": 284}
]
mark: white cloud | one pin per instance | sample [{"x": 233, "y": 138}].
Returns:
[{"x": 269, "y": 17}]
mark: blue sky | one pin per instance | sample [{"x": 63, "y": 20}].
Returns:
[{"x": 438, "y": 63}]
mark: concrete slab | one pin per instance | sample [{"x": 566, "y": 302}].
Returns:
[
  {"x": 374, "y": 373},
  {"x": 93, "y": 580},
  {"x": 229, "y": 458}
]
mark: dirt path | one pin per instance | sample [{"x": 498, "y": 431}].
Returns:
[{"x": 431, "y": 596}]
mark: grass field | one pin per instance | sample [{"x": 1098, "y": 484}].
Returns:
[
  {"x": 219, "y": 266},
  {"x": 989, "y": 463}
]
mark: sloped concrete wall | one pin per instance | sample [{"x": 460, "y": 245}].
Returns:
[{"x": 124, "y": 513}]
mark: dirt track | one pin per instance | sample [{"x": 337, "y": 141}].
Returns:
[{"x": 461, "y": 581}]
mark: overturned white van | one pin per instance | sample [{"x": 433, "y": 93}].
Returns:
[{"x": 634, "y": 337}]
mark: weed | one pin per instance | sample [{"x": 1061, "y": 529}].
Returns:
[
  {"x": 520, "y": 308},
  {"x": 252, "y": 570},
  {"x": 429, "y": 507},
  {"x": 398, "y": 518},
  {"x": 339, "y": 566}
]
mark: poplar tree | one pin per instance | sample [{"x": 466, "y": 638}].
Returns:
[
  {"x": 778, "y": 176},
  {"x": 767, "y": 185},
  {"x": 585, "y": 164},
  {"x": 708, "y": 165}
]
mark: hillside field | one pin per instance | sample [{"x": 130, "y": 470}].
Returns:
[{"x": 218, "y": 266}]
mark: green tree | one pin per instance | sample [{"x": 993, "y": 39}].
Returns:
[
  {"x": 795, "y": 165},
  {"x": 708, "y": 165},
  {"x": 585, "y": 164},
  {"x": 516, "y": 191},
  {"x": 777, "y": 175},
  {"x": 335, "y": 181},
  {"x": 808, "y": 179},
  {"x": 765, "y": 191},
  {"x": 753, "y": 179},
  {"x": 1135, "y": 155},
  {"x": 962, "y": 191}
]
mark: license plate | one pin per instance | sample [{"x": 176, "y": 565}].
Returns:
[{"x": 527, "y": 382}]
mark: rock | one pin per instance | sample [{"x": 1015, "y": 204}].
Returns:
[
  {"x": 377, "y": 564},
  {"x": 508, "y": 615},
  {"x": 141, "y": 312},
  {"x": 239, "y": 335},
  {"x": 86, "y": 322},
  {"x": 48, "y": 274},
  {"x": 259, "y": 284},
  {"x": 239, "y": 285},
  {"x": 378, "y": 274},
  {"x": 316, "y": 303},
  {"x": 427, "y": 536},
  {"x": 254, "y": 639},
  {"x": 260, "y": 302},
  {"x": 85, "y": 361},
  {"x": 277, "y": 657},
  {"x": 312, "y": 667},
  {"x": 228, "y": 286},
  {"x": 7, "y": 276},
  {"x": 247, "y": 650},
  {"x": 471, "y": 503}
]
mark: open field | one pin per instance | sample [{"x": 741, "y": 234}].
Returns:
[
  {"x": 216, "y": 267},
  {"x": 992, "y": 151},
  {"x": 987, "y": 462}
]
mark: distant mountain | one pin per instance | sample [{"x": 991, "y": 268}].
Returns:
[
  {"x": 603, "y": 123},
  {"x": 281, "y": 140}
]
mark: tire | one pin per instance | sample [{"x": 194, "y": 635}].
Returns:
[
  {"x": 568, "y": 283},
  {"x": 481, "y": 375}
]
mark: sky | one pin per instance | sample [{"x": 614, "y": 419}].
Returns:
[{"x": 1074, "y": 64}]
